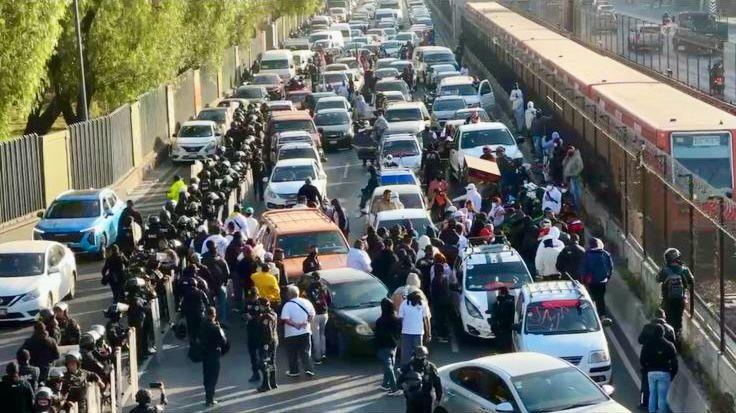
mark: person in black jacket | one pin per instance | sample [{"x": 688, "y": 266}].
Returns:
[
  {"x": 570, "y": 258},
  {"x": 311, "y": 263},
  {"x": 268, "y": 341},
  {"x": 193, "y": 304},
  {"x": 387, "y": 334},
  {"x": 219, "y": 272},
  {"x": 113, "y": 273},
  {"x": 502, "y": 317},
  {"x": 310, "y": 192},
  {"x": 43, "y": 349},
  {"x": 384, "y": 262},
  {"x": 420, "y": 378},
  {"x": 213, "y": 344},
  {"x": 27, "y": 372},
  {"x": 251, "y": 314},
  {"x": 659, "y": 358},
  {"x": 15, "y": 393},
  {"x": 648, "y": 333}
]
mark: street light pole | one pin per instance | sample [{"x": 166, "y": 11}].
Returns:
[{"x": 83, "y": 88}]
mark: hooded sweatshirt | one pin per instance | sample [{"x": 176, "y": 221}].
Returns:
[
  {"x": 547, "y": 251},
  {"x": 413, "y": 283},
  {"x": 529, "y": 114},
  {"x": 473, "y": 195},
  {"x": 572, "y": 165}
]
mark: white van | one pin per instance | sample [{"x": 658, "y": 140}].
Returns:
[
  {"x": 343, "y": 28},
  {"x": 278, "y": 62}
]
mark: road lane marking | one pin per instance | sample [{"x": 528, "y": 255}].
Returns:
[
  {"x": 627, "y": 364},
  {"x": 345, "y": 172}
]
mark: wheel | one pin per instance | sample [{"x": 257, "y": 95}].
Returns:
[
  {"x": 102, "y": 252},
  {"x": 73, "y": 287}
]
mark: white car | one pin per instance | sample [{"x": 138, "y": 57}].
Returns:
[
  {"x": 470, "y": 139},
  {"x": 404, "y": 151},
  {"x": 35, "y": 275},
  {"x": 404, "y": 37},
  {"x": 409, "y": 117},
  {"x": 196, "y": 140},
  {"x": 418, "y": 218},
  {"x": 444, "y": 107},
  {"x": 522, "y": 383},
  {"x": 222, "y": 116},
  {"x": 481, "y": 273},
  {"x": 288, "y": 177},
  {"x": 410, "y": 197},
  {"x": 459, "y": 117},
  {"x": 558, "y": 318},
  {"x": 279, "y": 105},
  {"x": 332, "y": 102}
]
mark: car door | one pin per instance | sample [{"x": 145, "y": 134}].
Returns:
[
  {"x": 108, "y": 214},
  {"x": 66, "y": 269},
  {"x": 485, "y": 96},
  {"x": 54, "y": 272},
  {"x": 470, "y": 384},
  {"x": 456, "y": 155},
  {"x": 518, "y": 321}
]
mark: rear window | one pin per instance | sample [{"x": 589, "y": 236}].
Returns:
[
  {"x": 250, "y": 93},
  {"x": 294, "y": 125},
  {"x": 438, "y": 57},
  {"x": 294, "y": 153},
  {"x": 416, "y": 223},
  {"x": 327, "y": 242},
  {"x": 195, "y": 131},
  {"x": 466, "y": 89},
  {"x": 400, "y": 148},
  {"x": 395, "y": 86},
  {"x": 404, "y": 114},
  {"x": 218, "y": 116}
]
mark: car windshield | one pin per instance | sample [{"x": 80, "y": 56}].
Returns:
[
  {"x": 391, "y": 45},
  {"x": 363, "y": 293},
  {"x": 390, "y": 86},
  {"x": 266, "y": 79},
  {"x": 195, "y": 131},
  {"x": 250, "y": 93},
  {"x": 560, "y": 317},
  {"x": 557, "y": 390},
  {"x": 416, "y": 223},
  {"x": 73, "y": 208},
  {"x": 491, "y": 277},
  {"x": 464, "y": 114},
  {"x": 465, "y": 89},
  {"x": 294, "y": 125},
  {"x": 446, "y": 105},
  {"x": 294, "y": 153},
  {"x": 330, "y": 104},
  {"x": 400, "y": 148},
  {"x": 275, "y": 64},
  {"x": 404, "y": 114},
  {"x": 408, "y": 200},
  {"x": 218, "y": 116},
  {"x": 406, "y": 179},
  {"x": 438, "y": 57},
  {"x": 292, "y": 173},
  {"x": 707, "y": 155},
  {"x": 21, "y": 264},
  {"x": 331, "y": 118},
  {"x": 473, "y": 139},
  {"x": 297, "y": 245},
  {"x": 318, "y": 36},
  {"x": 335, "y": 77},
  {"x": 387, "y": 72}
]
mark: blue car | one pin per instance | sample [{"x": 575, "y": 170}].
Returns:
[{"x": 86, "y": 221}]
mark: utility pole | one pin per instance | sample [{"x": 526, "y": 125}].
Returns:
[{"x": 83, "y": 87}]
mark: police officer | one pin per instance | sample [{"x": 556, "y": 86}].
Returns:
[
  {"x": 152, "y": 234},
  {"x": 26, "y": 371},
  {"x": 502, "y": 318},
  {"x": 431, "y": 163},
  {"x": 115, "y": 333},
  {"x": 76, "y": 381},
  {"x": 676, "y": 279},
  {"x": 418, "y": 379},
  {"x": 144, "y": 401},
  {"x": 69, "y": 327},
  {"x": 89, "y": 360},
  {"x": 251, "y": 313},
  {"x": 214, "y": 344},
  {"x": 268, "y": 341},
  {"x": 44, "y": 401},
  {"x": 139, "y": 313}
]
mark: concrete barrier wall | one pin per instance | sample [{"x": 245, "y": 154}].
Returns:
[{"x": 55, "y": 164}]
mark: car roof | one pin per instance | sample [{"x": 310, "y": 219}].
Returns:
[
  {"x": 405, "y": 105},
  {"x": 449, "y": 97},
  {"x": 493, "y": 254},
  {"x": 290, "y": 115},
  {"x": 514, "y": 364},
  {"x": 482, "y": 126},
  {"x": 392, "y": 92},
  {"x": 397, "y": 171},
  {"x": 91, "y": 193},
  {"x": 406, "y": 213},
  {"x": 295, "y": 162},
  {"x": 456, "y": 80},
  {"x": 298, "y": 221},
  {"x": 296, "y": 145},
  {"x": 333, "y": 99},
  {"x": 294, "y": 133},
  {"x": 553, "y": 290},
  {"x": 332, "y": 110},
  {"x": 279, "y": 102},
  {"x": 198, "y": 123},
  {"x": 26, "y": 246},
  {"x": 399, "y": 189},
  {"x": 343, "y": 275}
]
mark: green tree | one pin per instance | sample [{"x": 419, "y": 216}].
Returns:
[{"x": 29, "y": 31}]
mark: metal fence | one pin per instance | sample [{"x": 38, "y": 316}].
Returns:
[
  {"x": 656, "y": 202},
  {"x": 184, "y": 98},
  {"x": 21, "y": 177},
  {"x": 154, "y": 120},
  {"x": 101, "y": 149}
]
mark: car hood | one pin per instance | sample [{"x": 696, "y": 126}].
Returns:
[
  {"x": 511, "y": 150},
  {"x": 293, "y": 266},
  {"x": 20, "y": 285},
  {"x": 192, "y": 141},
  {"x": 355, "y": 316},
  {"x": 287, "y": 188},
  {"x": 565, "y": 345},
  {"x": 68, "y": 224},
  {"x": 607, "y": 407},
  {"x": 443, "y": 114},
  {"x": 336, "y": 128},
  {"x": 411, "y": 126}
]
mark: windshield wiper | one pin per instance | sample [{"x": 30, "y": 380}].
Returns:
[{"x": 568, "y": 407}]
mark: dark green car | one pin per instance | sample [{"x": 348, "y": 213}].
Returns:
[{"x": 356, "y": 305}]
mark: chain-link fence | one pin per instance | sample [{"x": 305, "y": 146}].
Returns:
[{"x": 656, "y": 202}]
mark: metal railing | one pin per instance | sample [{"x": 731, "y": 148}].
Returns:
[{"x": 21, "y": 177}]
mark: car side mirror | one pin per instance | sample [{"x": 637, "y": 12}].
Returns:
[
  {"x": 607, "y": 322},
  {"x": 40, "y": 213},
  {"x": 520, "y": 140},
  {"x": 505, "y": 407},
  {"x": 516, "y": 327},
  {"x": 608, "y": 389},
  {"x": 265, "y": 179}
]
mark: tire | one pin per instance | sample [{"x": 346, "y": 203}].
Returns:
[
  {"x": 73, "y": 288},
  {"x": 102, "y": 252}
]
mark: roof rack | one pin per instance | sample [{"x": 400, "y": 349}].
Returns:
[{"x": 555, "y": 286}]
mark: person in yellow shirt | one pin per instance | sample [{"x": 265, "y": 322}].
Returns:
[
  {"x": 267, "y": 284},
  {"x": 175, "y": 188}
]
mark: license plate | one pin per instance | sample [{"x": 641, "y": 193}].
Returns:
[
  {"x": 707, "y": 141},
  {"x": 190, "y": 156},
  {"x": 3, "y": 312}
]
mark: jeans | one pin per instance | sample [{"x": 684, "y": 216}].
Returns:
[
  {"x": 575, "y": 191},
  {"x": 318, "y": 336},
  {"x": 659, "y": 386},
  {"x": 408, "y": 343},
  {"x": 298, "y": 348},
  {"x": 222, "y": 307},
  {"x": 387, "y": 356}
]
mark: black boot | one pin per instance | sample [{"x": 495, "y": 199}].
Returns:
[
  {"x": 272, "y": 380},
  {"x": 265, "y": 386},
  {"x": 255, "y": 377}
]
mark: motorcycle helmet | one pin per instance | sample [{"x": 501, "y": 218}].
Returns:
[
  {"x": 44, "y": 397},
  {"x": 87, "y": 340},
  {"x": 143, "y": 396},
  {"x": 63, "y": 307},
  {"x": 72, "y": 355},
  {"x": 671, "y": 254},
  {"x": 99, "y": 328},
  {"x": 153, "y": 220}
]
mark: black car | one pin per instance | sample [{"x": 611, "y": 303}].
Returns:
[{"x": 356, "y": 305}]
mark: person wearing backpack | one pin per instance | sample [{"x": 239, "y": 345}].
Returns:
[
  {"x": 676, "y": 279},
  {"x": 419, "y": 379},
  {"x": 321, "y": 300}
]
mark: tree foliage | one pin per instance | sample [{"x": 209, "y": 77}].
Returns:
[{"x": 28, "y": 33}]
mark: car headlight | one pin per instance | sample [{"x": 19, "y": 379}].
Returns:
[
  {"x": 364, "y": 330},
  {"x": 91, "y": 237},
  {"x": 599, "y": 356},
  {"x": 37, "y": 234},
  {"x": 210, "y": 146},
  {"x": 31, "y": 295},
  {"x": 473, "y": 311},
  {"x": 270, "y": 193}
]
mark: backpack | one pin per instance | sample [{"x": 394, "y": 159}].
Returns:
[
  {"x": 674, "y": 284},
  {"x": 412, "y": 384}
]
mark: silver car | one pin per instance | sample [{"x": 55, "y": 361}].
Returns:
[
  {"x": 336, "y": 127},
  {"x": 444, "y": 107}
]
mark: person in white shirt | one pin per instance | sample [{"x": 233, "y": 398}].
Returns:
[
  {"x": 297, "y": 314},
  {"x": 497, "y": 212},
  {"x": 237, "y": 219},
  {"x": 415, "y": 326},
  {"x": 358, "y": 258},
  {"x": 552, "y": 198},
  {"x": 472, "y": 194},
  {"x": 220, "y": 241},
  {"x": 251, "y": 223},
  {"x": 546, "y": 259}
]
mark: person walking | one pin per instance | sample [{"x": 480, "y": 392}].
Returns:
[
  {"x": 387, "y": 334},
  {"x": 659, "y": 358},
  {"x": 44, "y": 350},
  {"x": 177, "y": 185},
  {"x": 595, "y": 272},
  {"x": 548, "y": 251},
  {"x": 214, "y": 344},
  {"x": 218, "y": 274},
  {"x": 267, "y": 284},
  {"x": 442, "y": 280},
  {"x": 16, "y": 394},
  {"x": 114, "y": 273},
  {"x": 258, "y": 172},
  {"x": 297, "y": 314},
  {"x": 420, "y": 379},
  {"x": 529, "y": 114},
  {"x": 502, "y": 313},
  {"x": 268, "y": 341},
  {"x": 517, "y": 106},
  {"x": 676, "y": 280},
  {"x": 415, "y": 328},
  {"x": 572, "y": 167},
  {"x": 321, "y": 300},
  {"x": 26, "y": 371},
  {"x": 648, "y": 333},
  {"x": 570, "y": 258},
  {"x": 251, "y": 314},
  {"x": 339, "y": 217},
  {"x": 358, "y": 258}
]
